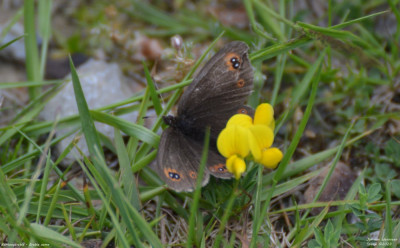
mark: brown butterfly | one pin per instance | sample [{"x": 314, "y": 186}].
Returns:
[{"x": 217, "y": 92}]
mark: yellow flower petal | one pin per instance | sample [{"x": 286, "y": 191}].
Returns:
[
  {"x": 236, "y": 166},
  {"x": 271, "y": 157},
  {"x": 233, "y": 140},
  {"x": 241, "y": 120},
  {"x": 263, "y": 134},
  {"x": 264, "y": 115},
  {"x": 255, "y": 148}
]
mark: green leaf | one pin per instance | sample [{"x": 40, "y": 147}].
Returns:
[
  {"x": 396, "y": 187},
  {"x": 313, "y": 244},
  {"x": 392, "y": 150},
  {"x": 319, "y": 237},
  {"x": 328, "y": 231},
  {"x": 384, "y": 172},
  {"x": 374, "y": 192}
]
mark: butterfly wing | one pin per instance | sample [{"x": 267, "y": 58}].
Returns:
[
  {"x": 178, "y": 159},
  {"x": 216, "y": 165},
  {"x": 179, "y": 156},
  {"x": 219, "y": 89}
]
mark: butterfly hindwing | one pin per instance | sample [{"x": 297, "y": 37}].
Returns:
[{"x": 178, "y": 160}]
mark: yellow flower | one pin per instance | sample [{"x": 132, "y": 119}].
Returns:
[
  {"x": 271, "y": 157},
  {"x": 233, "y": 140},
  {"x": 240, "y": 120},
  {"x": 264, "y": 115},
  {"x": 263, "y": 131},
  {"x": 244, "y": 134},
  {"x": 262, "y": 137},
  {"x": 233, "y": 144},
  {"x": 236, "y": 165}
]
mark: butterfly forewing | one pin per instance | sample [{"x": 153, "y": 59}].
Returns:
[{"x": 218, "y": 89}]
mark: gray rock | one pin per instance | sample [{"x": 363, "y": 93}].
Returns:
[{"x": 102, "y": 84}]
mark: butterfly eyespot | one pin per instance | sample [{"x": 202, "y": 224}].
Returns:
[
  {"x": 193, "y": 174},
  {"x": 240, "y": 83},
  {"x": 233, "y": 61},
  {"x": 218, "y": 168},
  {"x": 172, "y": 174},
  {"x": 243, "y": 111}
]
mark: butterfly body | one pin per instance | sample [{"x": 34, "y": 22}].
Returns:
[
  {"x": 218, "y": 91},
  {"x": 185, "y": 126}
]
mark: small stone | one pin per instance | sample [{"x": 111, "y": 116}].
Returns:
[
  {"x": 102, "y": 84},
  {"x": 339, "y": 184}
]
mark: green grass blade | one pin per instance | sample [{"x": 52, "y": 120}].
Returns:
[
  {"x": 106, "y": 203},
  {"x": 8, "y": 199},
  {"x": 9, "y": 43},
  {"x": 253, "y": 22},
  {"x": 388, "y": 217},
  {"x": 16, "y": 17},
  {"x": 129, "y": 214},
  {"x": 306, "y": 232},
  {"x": 152, "y": 88},
  {"x": 153, "y": 15},
  {"x": 144, "y": 227},
  {"x": 332, "y": 167},
  {"x": 48, "y": 234},
  {"x": 144, "y": 161},
  {"x": 14, "y": 164},
  {"x": 68, "y": 222},
  {"x": 30, "y": 188},
  {"x": 128, "y": 178},
  {"x": 291, "y": 184},
  {"x": 133, "y": 143},
  {"x": 274, "y": 50},
  {"x": 269, "y": 18},
  {"x": 396, "y": 233},
  {"x": 287, "y": 156},
  {"x": 278, "y": 77},
  {"x": 31, "y": 50},
  {"x": 227, "y": 214},
  {"x": 52, "y": 204},
  {"x": 27, "y": 114},
  {"x": 44, "y": 15},
  {"x": 197, "y": 193},
  {"x": 305, "y": 163},
  {"x": 127, "y": 127},
  {"x": 45, "y": 180},
  {"x": 10, "y": 85},
  {"x": 8, "y": 133},
  {"x": 357, "y": 20},
  {"x": 88, "y": 128}
]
